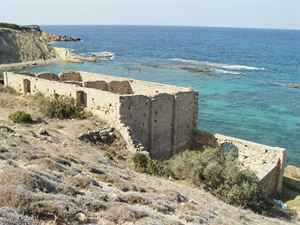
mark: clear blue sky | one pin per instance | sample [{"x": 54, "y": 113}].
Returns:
[{"x": 284, "y": 14}]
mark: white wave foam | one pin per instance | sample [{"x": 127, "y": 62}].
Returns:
[
  {"x": 104, "y": 55},
  {"x": 227, "y": 72},
  {"x": 219, "y": 65}
]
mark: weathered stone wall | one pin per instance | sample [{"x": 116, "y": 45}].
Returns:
[
  {"x": 100, "y": 85},
  {"x": 269, "y": 179},
  {"x": 135, "y": 114},
  {"x": 103, "y": 103},
  {"x": 259, "y": 158},
  {"x": 161, "y": 123},
  {"x": 185, "y": 118},
  {"x": 48, "y": 76},
  {"x": 70, "y": 76},
  {"x": 162, "y": 115},
  {"x": 120, "y": 87}
]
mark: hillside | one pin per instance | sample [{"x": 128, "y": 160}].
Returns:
[
  {"x": 48, "y": 176},
  {"x": 19, "y": 46},
  {"x": 30, "y": 43}
]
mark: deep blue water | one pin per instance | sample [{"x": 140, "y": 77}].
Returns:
[{"x": 245, "y": 102}]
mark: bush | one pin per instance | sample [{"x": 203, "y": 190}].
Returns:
[
  {"x": 10, "y": 26},
  {"x": 140, "y": 161},
  {"x": 220, "y": 174},
  {"x": 20, "y": 117},
  {"x": 143, "y": 163},
  {"x": 61, "y": 108},
  {"x": 156, "y": 168}
]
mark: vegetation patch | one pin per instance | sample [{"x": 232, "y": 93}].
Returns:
[
  {"x": 60, "y": 108},
  {"x": 215, "y": 172},
  {"x": 10, "y": 26},
  {"x": 20, "y": 117}
]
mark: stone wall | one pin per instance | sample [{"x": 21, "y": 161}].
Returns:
[
  {"x": 48, "y": 76},
  {"x": 266, "y": 161},
  {"x": 163, "y": 123},
  {"x": 160, "y": 123},
  {"x": 162, "y": 132}
]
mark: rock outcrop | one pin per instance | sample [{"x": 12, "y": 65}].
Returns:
[
  {"x": 105, "y": 136},
  {"x": 45, "y": 36},
  {"x": 23, "y": 44},
  {"x": 289, "y": 85},
  {"x": 20, "y": 46}
]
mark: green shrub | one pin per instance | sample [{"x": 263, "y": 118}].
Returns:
[
  {"x": 219, "y": 173},
  {"x": 144, "y": 164},
  {"x": 155, "y": 167},
  {"x": 61, "y": 108},
  {"x": 10, "y": 25},
  {"x": 140, "y": 161},
  {"x": 240, "y": 187},
  {"x": 187, "y": 165},
  {"x": 85, "y": 114},
  {"x": 20, "y": 117}
]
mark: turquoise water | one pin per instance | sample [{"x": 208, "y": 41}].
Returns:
[{"x": 239, "y": 95}]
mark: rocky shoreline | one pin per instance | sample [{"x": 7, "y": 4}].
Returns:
[
  {"x": 23, "y": 46},
  {"x": 47, "y": 37}
]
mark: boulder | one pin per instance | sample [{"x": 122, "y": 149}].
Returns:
[
  {"x": 105, "y": 136},
  {"x": 82, "y": 217},
  {"x": 43, "y": 131}
]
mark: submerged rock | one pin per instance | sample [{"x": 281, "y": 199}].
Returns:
[{"x": 289, "y": 85}]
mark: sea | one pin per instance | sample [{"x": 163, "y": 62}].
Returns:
[{"x": 239, "y": 73}]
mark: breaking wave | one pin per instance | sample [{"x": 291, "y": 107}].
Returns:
[
  {"x": 228, "y": 72},
  {"x": 218, "y": 65},
  {"x": 104, "y": 55}
]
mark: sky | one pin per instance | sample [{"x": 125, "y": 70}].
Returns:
[{"x": 281, "y": 14}]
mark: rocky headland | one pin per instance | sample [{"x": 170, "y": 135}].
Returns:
[
  {"x": 19, "y": 44},
  {"x": 45, "y": 36}
]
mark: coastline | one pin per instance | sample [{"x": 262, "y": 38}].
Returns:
[{"x": 23, "y": 65}]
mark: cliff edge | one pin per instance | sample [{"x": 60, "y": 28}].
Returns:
[{"x": 23, "y": 44}]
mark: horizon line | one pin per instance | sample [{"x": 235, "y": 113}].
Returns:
[{"x": 164, "y": 25}]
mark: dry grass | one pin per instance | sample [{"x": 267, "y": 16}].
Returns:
[{"x": 52, "y": 179}]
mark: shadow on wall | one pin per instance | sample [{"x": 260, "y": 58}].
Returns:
[
  {"x": 81, "y": 99},
  {"x": 26, "y": 86},
  {"x": 202, "y": 139},
  {"x": 116, "y": 87}
]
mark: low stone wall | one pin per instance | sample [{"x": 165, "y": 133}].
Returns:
[{"x": 266, "y": 161}]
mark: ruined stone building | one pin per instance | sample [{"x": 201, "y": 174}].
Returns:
[{"x": 158, "y": 118}]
